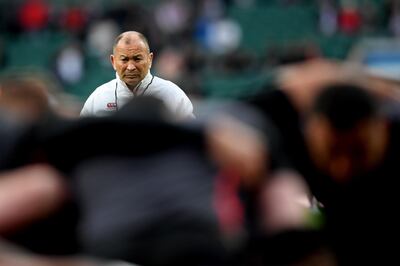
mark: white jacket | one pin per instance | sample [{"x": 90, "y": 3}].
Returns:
[{"x": 114, "y": 94}]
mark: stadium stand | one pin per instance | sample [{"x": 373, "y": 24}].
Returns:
[{"x": 265, "y": 25}]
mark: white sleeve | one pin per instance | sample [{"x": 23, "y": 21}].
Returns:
[
  {"x": 87, "y": 109},
  {"x": 184, "y": 109},
  {"x": 179, "y": 102}
]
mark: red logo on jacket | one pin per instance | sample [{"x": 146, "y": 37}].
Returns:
[{"x": 111, "y": 105}]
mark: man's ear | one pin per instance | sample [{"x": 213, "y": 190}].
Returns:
[
  {"x": 151, "y": 59},
  {"x": 112, "y": 59}
]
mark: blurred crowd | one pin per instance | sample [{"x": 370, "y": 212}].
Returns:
[{"x": 188, "y": 37}]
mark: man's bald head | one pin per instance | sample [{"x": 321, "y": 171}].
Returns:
[
  {"x": 128, "y": 37},
  {"x": 131, "y": 58}
]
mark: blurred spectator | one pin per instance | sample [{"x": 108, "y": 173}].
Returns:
[
  {"x": 215, "y": 31},
  {"x": 70, "y": 66},
  {"x": 350, "y": 20},
  {"x": 27, "y": 96},
  {"x": 172, "y": 16},
  {"x": 23, "y": 98},
  {"x": 74, "y": 20},
  {"x": 212, "y": 9},
  {"x": 206, "y": 12},
  {"x": 223, "y": 36},
  {"x": 100, "y": 38},
  {"x": 34, "y": 15},
  {"x": 394, "y": 18},
  {"x": 369, "y": 13},
  {"x": 328, "y": 17},
  {"x": 170, "y": 64}
]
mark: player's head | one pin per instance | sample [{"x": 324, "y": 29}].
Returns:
[{"x": 345, "y": 133}]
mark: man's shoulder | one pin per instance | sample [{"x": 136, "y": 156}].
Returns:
[
  {"x": 167, "y": 87},
  {"x": 173, "y": 96},
  {"x": 105, "y": 87},
  {"x": 101, "y": 100},
  {"x": 166, "y": 83}
]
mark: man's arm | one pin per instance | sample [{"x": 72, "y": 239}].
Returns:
[
  {"x": 87, "y": 109},
  {"x": 27, "y": 194}
]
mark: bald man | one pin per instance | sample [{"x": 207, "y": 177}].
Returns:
[{"x": 132, "y": 59}]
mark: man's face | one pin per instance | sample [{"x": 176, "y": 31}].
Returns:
[
  {"x": 347, "y": 153},
  {"x": 132, "y": 60}
]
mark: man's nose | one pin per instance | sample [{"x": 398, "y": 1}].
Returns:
[{"x": 131, "y": 66}]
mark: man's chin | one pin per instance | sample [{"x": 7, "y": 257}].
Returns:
[{"x": 131, "y": 81}]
